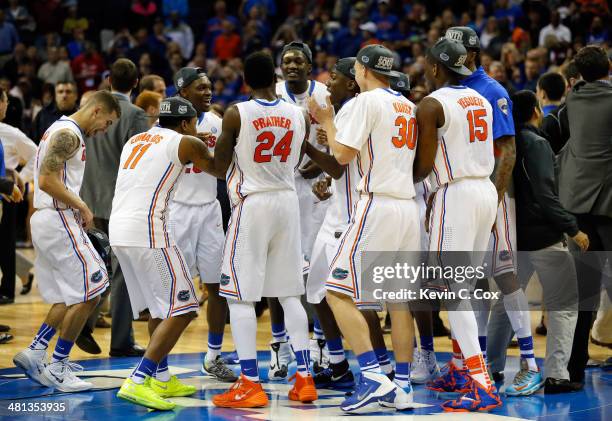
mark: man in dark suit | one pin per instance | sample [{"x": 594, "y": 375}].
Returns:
[
  {"x": 585, "y": 186},
  {"x": 103, "y": 157}
]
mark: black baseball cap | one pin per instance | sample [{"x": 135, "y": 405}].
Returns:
[
  {"x": 176, "y": 106},
  {"x": 300, "y": 46},
  {"x": 464, "y": 35},
  {"x": 185, "y": 76},
  {"x": 377, "y": 58},
  {"x": 346, "y": 66},
  {"x": 451, "y": 55},
  {"x": 399, "y": 82}
]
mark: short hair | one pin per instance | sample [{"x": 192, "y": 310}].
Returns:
[
  {"x": 553, "y": 84},
  {"x": 168, "y": 122},
  {"x": 259, "y": 70},
  {"x": 592, "y": 63},
  {"x": 148, "y": 99},
  {"x": 147, "y": 83},
  {"x": 123, "y": 75},
  {"x": 107, "y": 100},
  {"x": 570, "y": 71},
  {"x": 67, "y": 82},
  {"x": 524, "y": 104}
]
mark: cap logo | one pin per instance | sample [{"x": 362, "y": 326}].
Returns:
[
  {"x": 164, "y": 107},
  {"x": 179, "y": 82},
  {"x": 401, "y": 84},
  {"x": 444, "y": 56},
  {"x": 365, "y": 59},
  {"x": 182, "y": 109},
  {"x": 385, "y": 63},
  {"x": 460, "y": 60},
  {"x": 473, "y": 40},
  {"x": 454, "y": 35}
]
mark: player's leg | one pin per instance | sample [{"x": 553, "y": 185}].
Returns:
[
  {"x": 280, "y": 349},
  {"x": 425, "y": 365},
  {"x": 378, "y": 342}
]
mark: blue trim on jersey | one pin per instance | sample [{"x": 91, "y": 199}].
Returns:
[
  {"x": 151, "y": 206},
  {"x": 201, "y": 117},
  {"x": 310, "y": 90},
  {"x": 73, "y": 122},
  {"x": 456, "y": 86},
  {"x": 391, "y": 91},
  {"x": 265, "y": 103},
  {"x": 74, "y": 247}
]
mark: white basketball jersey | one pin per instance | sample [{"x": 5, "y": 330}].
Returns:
[
  {"x": 197, "y": 187},
  {"x": 318, "y": 91},
  {"x": 465, "y": 142},
  {"x": 267, "y": 149},
  {"x": 148, "y": 173},
  {"x": 344, "y": 189},
  {"x": 382, "y": 127},
  {"x": 72, "y": 173}
]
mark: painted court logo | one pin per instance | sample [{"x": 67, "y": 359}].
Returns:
[
  {"x": 183, "y": 295},
  {"x": 225, "y": 279},
  {"x": 339, "y": 273}
]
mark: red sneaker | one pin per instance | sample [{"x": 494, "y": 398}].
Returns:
[
  {"x": 304, "y": 388},
  {"x": 243, "y": 394}
]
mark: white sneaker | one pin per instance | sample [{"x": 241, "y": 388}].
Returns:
[
  {"x": 60, "y": 376},
  {"x": 425, "y": 367},
  {"x": 280, "y": 358},
  {"x": 319, "y": 355},
  {"x": 400, "y": 400},
  {"x": 33, "y": 362}
]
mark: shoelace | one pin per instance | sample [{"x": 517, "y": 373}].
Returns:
[
  {"x": 220, "y": 365},
  {"x": 521, "y": 376}
]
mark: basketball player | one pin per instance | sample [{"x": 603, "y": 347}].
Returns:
[
  {"x": 156, "y": 274},
  {"x": 69, "y": 271},
  {"x": 195, "y": 216},
  {"x": 262, "y": 139},
  {"x": 455, "y": 141},
  {"x": 380, "y": 134},
  {"x": 502, "y": 243},
  {"x": 296, "y": 66}
]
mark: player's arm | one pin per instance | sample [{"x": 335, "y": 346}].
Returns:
[
  {"x": 306, "y": 134},
  {"x": 325, "y": 116},
  {"x": 224, "y": 149},
  {"x": 325, "y": 161},
  {"x": 62, "y": 146},
  {"x": 193, "y": 149},
  {"x": 430, "y": 116},
  {"x": 505, "y": 151}
]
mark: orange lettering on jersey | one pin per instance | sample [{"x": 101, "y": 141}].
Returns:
[
  {"x": 470, "y": 101},
  {"x": 402, "y": 107},
  {"x": 271, "y": 121},
  {"x": 147, "y": 138}
]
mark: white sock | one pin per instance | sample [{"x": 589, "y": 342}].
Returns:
[
  {"x": 244, "y": 330},
  {"x": 465, "y": 329},
  {"x": 296, "y": 321},
  {"x": 517, "y": 310}
]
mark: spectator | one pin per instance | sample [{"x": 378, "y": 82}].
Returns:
[
  {"x": 368, "y": 34},
  {"x": 179, "y": 7},
  {"x": 214, "y": 25},
  {"x": 8, "y": 39},
  {"x": 598, "y": 34},
  {"x": 228, "y": 44},
  {"x": 158, "y": 40},
  {"x": 507, "y": 11},
  {"x": 572, "y": 76},
  {"x": 497, "y": 72},
  {"x": 143, "y": 12},
  {"x": 283, "y": 36},
  {"x": 73, "y": 21},
  {"x": 268, "y": 6},
  {"x": 54, "y": 70},
  {"x": 386, "y": 22},
  {"x": 149, "y": 102},
  {"x": 556, "y": 28},
  {"x": 87, "y": 68},
  {"x": 65, "y": 103},
  {"x": 145, "y": 64},
  {"x": 585, "y": 184},
  {"x": 532, "y": 74},
  {"x": 153, "y": 83},
  {"x": 77, "y": 45},
  {"x": 550, "y": 91},
  {"x": 20, "y": 17},
  {"x": 489, "y": 32},
  {"x": 179, "y": 32}
]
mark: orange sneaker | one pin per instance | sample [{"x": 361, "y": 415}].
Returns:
[
  {"x": 243, "y": 394},
  {"x": 304, "y": 388}
]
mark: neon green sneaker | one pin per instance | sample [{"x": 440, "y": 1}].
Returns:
[
  {"x": 143, "y": 394},
  {"x": 172, "y": 388}
]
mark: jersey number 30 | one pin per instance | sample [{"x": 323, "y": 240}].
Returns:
[
  {"x": 266, "y": 141},
  {"x": 407, "y": 132},
  {"x": 478, "y": 126}
]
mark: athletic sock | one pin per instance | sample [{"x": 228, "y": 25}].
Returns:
[
  {"x": 368, "y": 362},
  {"x": 145, "y": 367},
  {"x": 244, "y": 330},
  {"x": 62, "y": 350},
  {"x": 317, "y": 331},
  {"x": 249, "y": 369},
  {"x": 302, "y": 358},
  {"x": 383, "y": 360},
  {"x": 427, "y": 343},
  {"x": 478, "y": 370},
  {"x": 482, "y": 340},
  {"x": 279, "y": 333},
  {"x": 336, "y": 351},
  {"x": 339, "y": 368},
  {"x": 42, "y": 338},
  {"x": 526, "y": 347},
  {"x": 457, "y": 359},
  {"x": 162, "y": 373},
  {"x": 215, "y": 340},
  {"x": 402, "y": 375}
]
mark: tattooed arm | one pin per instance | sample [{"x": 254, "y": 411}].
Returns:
[
  {"x": 504, "y": 163},
  {"x": 62, "y": 146}
]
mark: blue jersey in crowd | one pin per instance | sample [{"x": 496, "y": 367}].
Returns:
[{"x": 503, "y": 125}]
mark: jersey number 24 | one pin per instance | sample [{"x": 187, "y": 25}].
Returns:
[{"x": 267, "y": 141}]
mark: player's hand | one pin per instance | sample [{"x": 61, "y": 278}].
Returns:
[
  {"x": 582, "y": 240},
  {"x": 86, "y": 216},
  {"x": 322, "y": 137},
  {"x": 430, "y": 200},
  {"x": 204, "y": 136},
  {"x": 310, "y": 171},
  {"x": 321, "y": 189},
  {"x": 15, "y": 196},
  {"x": 19, "y": 182},
  {"x": 323, "y": 115}
]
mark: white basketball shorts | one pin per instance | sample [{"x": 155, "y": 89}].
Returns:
[
  {"x": 502, "y": 242},
  {"x": 67, "y": 267},
  {"x": 157, "y": 279},
  {"x": 323, "y": 252}
]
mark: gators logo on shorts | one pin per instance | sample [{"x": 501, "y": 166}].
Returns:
[
  {"x": 96, "y": 277},
  {"x": 225, "y": 279},
  {"x": 504, "y": 256},
  {"x": 183, "y": 295},
  {"x": 339, "y": 273}
]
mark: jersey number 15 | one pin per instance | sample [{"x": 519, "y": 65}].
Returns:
[
  {"x": 266, "y": 141},
  {"x": 478, "y": 125}
]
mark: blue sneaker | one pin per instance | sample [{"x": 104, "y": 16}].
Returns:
[
  {"x": 231, "y": 358},
  {"x": 478, "y": 399},
  {"x": 526, "y": 382},
  {"x": 326, "y": 380},
  {"x": 400, "y": 399},
  {"x": 371, "y": 388},
  {"x": 454, "y": 381}
]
